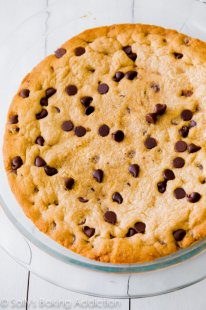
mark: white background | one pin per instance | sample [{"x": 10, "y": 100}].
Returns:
[{"x": 16, "y": 283}]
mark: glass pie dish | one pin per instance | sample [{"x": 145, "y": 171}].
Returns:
[{"x": 125, "y": 280}]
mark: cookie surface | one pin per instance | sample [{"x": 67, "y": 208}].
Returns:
[{"x": 105, "y": 143}]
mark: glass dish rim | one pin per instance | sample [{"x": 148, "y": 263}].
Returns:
[{"x": 167, "y": 261}]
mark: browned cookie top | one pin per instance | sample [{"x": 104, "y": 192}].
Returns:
[{"x": 105, "y": 143}]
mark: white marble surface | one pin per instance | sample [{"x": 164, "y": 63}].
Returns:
[{"x": 30, "y": 29}]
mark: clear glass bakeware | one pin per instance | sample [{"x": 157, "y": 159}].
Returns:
[{"x": 39, "y": 36}]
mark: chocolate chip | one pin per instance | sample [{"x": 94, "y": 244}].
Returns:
[
  {"x": 89, "y": 232},
  {"x": 131, "y": 232},
  {"x": 24, "y": 93},
  {"x": 89, "y": 110},
  {"x": 155, "y": 87},
  {"x": 44, "y": 102},
  {"x": 179, "y": 193},
  {"x": 161, "y": 186},
  {"x": 186, "y": 93},
  {"x": 180, "y": 146},
  {"x": 41, "y": 114},
  {"x": 192, "y": 123},
  {"x": 79, "y": 51},
  {"x": 110, "y": 217},
  {"x": 132, "y": 56},
  {"x": 86, "y": 101},
  {"x": 69, "y": 183},
  {"x": 118, "y": 76},
  {"x": 67, "y": 126},
  {"x": 130, "y": 75},
  {"x": 118, "y": 135},
  {"x": 71, "y": 90},
  {"x": 39, "y": 162},
  {"x": 140, "y": 227},
  {"x": 186, "y": 115},
  {"x": 179, "y": 234},
  {"x": 193, "y": 197},
  {"x": 192, "y": 148},
  {"x": 60, "y": 52},
  {"x": 127, "y": 49},
  {"x": 160, "y": 108},
  {"x": 178, "y": 162},
  {"x": 13, "y": 119},
  {"x": 184, "y": 131},
  {"x": 50, "y": 170},
  {"x": 40, "y": 140},
  {"x": 50, "y": 92},
  {"x": 150, "y": 143},
  {"x": 178, "y": 55},
  {"x": 151, "y": 118},
  {"x": 80, "y": 131},
  {"x": 168, "y": 175},
  {"x": 103, "y": 88},
  {"x": 98, "y": 175},
  {"x": 116, "y": 197},
  {"x": 103, "y": 130},
  {"x": 83, "y": 200},
  {"x": 134, "y": 170},
  {"x": 16, "y": 163}
]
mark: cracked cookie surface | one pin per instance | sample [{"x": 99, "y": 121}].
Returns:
[{"x": 105, "y": 143}]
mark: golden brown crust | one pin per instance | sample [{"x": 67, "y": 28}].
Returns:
[{"x": 57, "y": 211}]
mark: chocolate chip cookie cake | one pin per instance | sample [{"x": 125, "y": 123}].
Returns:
[{"x": 105, "y": 143}]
